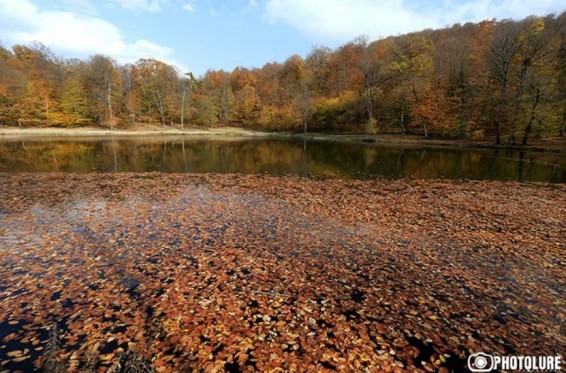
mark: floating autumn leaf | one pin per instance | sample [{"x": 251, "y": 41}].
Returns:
[{"x": 243, "y": 272}]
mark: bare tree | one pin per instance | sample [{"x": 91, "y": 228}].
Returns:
[
  {"x": 534, "y": 39},
  {"x": 502, "y": 50}
]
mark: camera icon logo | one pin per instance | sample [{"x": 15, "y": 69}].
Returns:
[{"x": 480, "y": 362}]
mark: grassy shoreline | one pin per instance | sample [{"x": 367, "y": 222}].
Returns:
[{"x": 12, "y": 132}]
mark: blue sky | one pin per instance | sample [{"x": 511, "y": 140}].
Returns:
[{"x": 197, "y": 35}]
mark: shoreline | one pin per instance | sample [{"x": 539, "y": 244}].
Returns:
[
  {"x": 13, "y": 132},
  {"x": 553, "y": 145}
]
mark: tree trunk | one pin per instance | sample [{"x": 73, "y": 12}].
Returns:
[
  {"x": 306, "y": 107},
  {"x": 369, "y": 103},
  {"x": 160, "y": 107},
  {"x": 520, "y": 90},
  {"x": 109, "y": 102},
  {"x": 498, "y": 134},
  {"x": 183, "y": 110},
  {"x": 162, "y": 115},
  {"x": 532, "y": 118},
  {"x": 403, "y": 103},
  {"x": 527, "y": 131},
  {"x": 500, "y": 118}
]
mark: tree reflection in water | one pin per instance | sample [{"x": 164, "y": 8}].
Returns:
[{"x": 277, "y": 157}]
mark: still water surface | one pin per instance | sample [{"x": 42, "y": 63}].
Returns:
[{"x": 276, "y": 157}]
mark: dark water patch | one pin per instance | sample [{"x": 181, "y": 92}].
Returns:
[
  {"x": 358, "y": 296},
  {"x": 26, "y": 365},
  {"x": 109, "y": 347},
  {"x": 55, "y": 296},
  {"x": 425, "y": 351},
  {"x": 456, "y": 364},
  {"x": 278, "y": 157},
  {"x": 352, "y": 315},
  {"x": 68, "y": 304},
  {"x": 218, "y": 348},
  {"x": 232, "y": 367},
  {"x": 328, "y": 365},
  {"x": 7, "y": 328},
  {"x": 131, "y": 285},
  {"x": 120, "y": 329}
]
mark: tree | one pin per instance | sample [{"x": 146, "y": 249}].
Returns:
[
  {"x": 12, "y": 83},
  {"x": 374, "y": 65},
  {"x": 246, "y": 106},
  {"x": 317, "y": 64},
  {"x": 74, "y": 102},
  {"x": 42, "y": 73},
  {"x": 130, "y": 93},
  {"x": 103, "y": 85},
  {"x": 560, "y": 70},
  {"x": 187, "y": 85},
  {"x": 501, "y": 54},
  {"x": 503, "y": 78},
  {"x": 157, "y": 83},
  {"x": 413, "y": 61},
  {"x": 294, "y": 81},
  {"x": 214, "y": 99},
  {"x": 246, "y": 100},
  {"x": 475, "y": 95},
  {"x": 343, "y": 66},
  {"x": 531, "y": 83}
]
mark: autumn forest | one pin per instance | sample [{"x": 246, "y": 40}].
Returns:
[
  {"x": 502, "y": 80},
  {"x": 394, "y": 205}
]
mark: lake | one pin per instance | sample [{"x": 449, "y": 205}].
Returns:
[
  {"x": 182, "y": 272},
  {"x": 276, "y": 157}
]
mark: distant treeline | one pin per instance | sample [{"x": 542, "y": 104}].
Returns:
[{"x": 499, "y": 78}]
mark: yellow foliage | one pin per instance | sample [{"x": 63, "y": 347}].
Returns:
[{"x": 278, "y": 118}]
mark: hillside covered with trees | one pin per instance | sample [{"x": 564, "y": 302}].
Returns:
[{"x": 505, "y": 79}]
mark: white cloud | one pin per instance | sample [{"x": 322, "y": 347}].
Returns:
[
  {"x": 21, "y": 22},
  {"x": 189, "y": 8},
  {"x": 487, "y": 9},
  {"x": 338, "y": 19},
  {"x": 79, "y": 6},
  {"x": 341, "y": 20},
  {"x": 145, "y": 5}
]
